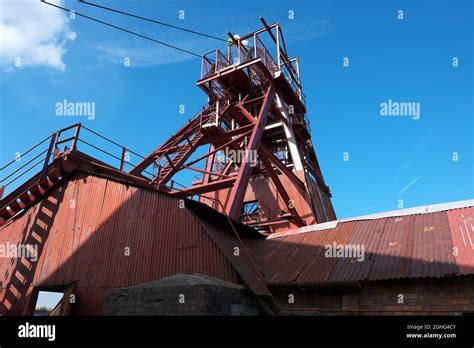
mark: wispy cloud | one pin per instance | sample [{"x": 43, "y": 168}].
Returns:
[
  {"x": 409, "y": 185},
  {"x": 142, "y": 53},
  {"x": 33, "y": 34}
]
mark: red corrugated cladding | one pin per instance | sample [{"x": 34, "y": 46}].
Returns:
[
  {"x": 102, "y": 234},
  {"x": 425, "y": 245}
]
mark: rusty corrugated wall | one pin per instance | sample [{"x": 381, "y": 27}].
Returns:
[
  {"x": 434, "y": 245},
  {"x": 101, "y": 234}
]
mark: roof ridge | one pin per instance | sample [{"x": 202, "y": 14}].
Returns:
[{"x": 423, "y": 209}]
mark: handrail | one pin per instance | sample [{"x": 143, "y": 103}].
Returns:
[
  {"x": 283, "y": 63},
  {"x": 124, "y": 150},
  {"x": 25, "y": 153},
  {"x": 53, "y": 147},
  {"x": 26, "y": 171},
  {"x": 121, "y": 159},
  {"x": 28, "y": 166},
  {"x": 23, "y": 166},
  {"x": 212, "y": 62}
]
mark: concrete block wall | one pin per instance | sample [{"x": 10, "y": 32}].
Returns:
[{"x": 180, "y": 295}]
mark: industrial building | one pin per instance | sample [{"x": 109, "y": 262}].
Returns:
[{"x": 253, "y": 232}]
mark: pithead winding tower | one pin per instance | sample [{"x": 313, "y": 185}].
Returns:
[{"x": 259, "y": 161}]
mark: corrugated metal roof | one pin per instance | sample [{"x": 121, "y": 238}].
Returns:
[
  {"x": 461, "y": 223},
  {"x": 394, "y": 213},
  {"x": 429, "y": 244}
]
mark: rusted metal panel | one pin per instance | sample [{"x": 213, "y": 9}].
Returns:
[
  {"x": 364, "y": 235},
  {"x": 420, "y": 245},
  {"x": 304, "y": 260},
  {"x": 101, "y": 233},
  {"x": 319, "y": 267},
  {"x": 277, "y": 254},
  {"x": 394, "y": 255},
  {"x": 340, "y": 236},
  {"x": 432, "y": 252},
  {"x": 461, "y": 223}
]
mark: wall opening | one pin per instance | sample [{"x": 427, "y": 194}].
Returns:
[
  {"x": 48, "y": 303},
  {"x": 52, "y": 301},
  {"x": 250, "y": 212}
]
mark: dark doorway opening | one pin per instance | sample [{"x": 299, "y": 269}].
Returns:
[{"x": 53, "y": 301}]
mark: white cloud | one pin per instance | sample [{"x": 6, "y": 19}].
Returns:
[
  {"x": 140, "y": 56},
  {"x": 142, "y": 53},
  {"x": 35, "y": 33}
]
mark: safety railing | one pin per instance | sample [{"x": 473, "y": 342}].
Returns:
[
  {"x": 251, "y": 46},
  {"x": 208, "y": 62},
  {"x": 61, "y": 142},
  {"x": 100, "y": 147},
  {"x": 289, "y": 68},
  {"x": 212, "y": 62},
  {"x": 240, "y": 52},
  {"x": 294, "y": 82},
  {"x": 211, "y": 117},
  {"x": 23, "y": 163},
  {"x": 262, "y": 52}
]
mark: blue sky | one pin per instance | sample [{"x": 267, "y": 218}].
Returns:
[{"x": 407, "y": 60}]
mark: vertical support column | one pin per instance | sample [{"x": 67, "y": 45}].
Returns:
[
  {"x": 290, "y": 136},
  {"x": 255, "y": 45},
  {"x": 76, "y": 136},
  {"x": 209, "y": 163},
  {"x": 278, "y": 45},
  {"x": 300, "y": 90},
  {"x": 237, "y": 193},
  {"x": 122, "y": 160},
  {"x": 48, "y": 155}
]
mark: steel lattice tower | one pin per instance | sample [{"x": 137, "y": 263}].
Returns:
[{"x": 260, "y": 162}]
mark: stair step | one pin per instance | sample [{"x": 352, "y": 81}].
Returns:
[
  {"x": 45, "y": 183},
  {"x": 26, "y": 198},
  {"x": 37, "y": 191},
  {"x": 4, "y": 214},
  {"x": 53, "y": 176},
  {"x": 10, "y": 212},
  {"x": 16, "y": 206}
]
